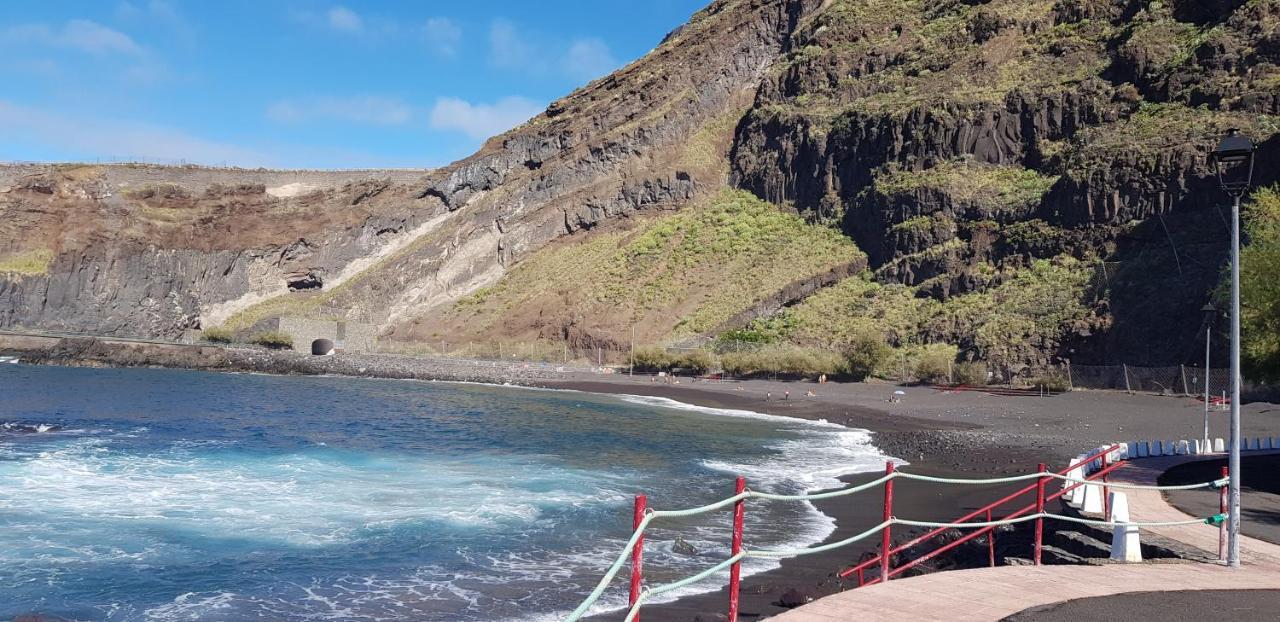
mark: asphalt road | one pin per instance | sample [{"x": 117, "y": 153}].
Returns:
[{"x": 1188, "y": 606}]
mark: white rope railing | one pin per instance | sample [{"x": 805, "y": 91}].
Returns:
[{"x": 651, "y": 515}]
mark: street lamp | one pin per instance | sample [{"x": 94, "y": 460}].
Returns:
[
  {"x": 1209, "y": 312},
  {"x": 1233, "y": 161}
]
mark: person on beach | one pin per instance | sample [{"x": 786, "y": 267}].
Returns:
[{"x": 768, "y": 395}]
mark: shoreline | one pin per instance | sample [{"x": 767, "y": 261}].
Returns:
[{"x": 939, "y": 433}]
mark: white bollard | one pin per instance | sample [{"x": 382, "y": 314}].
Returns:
[
  {"x": 1121, "y": 452},
  {"x": 1092, "y": 501},
  {"x": 1143, "y": 450},
  {"x": 1182, "y": 449},
  {"x": 1257, "y": 444},
  {"x": 1125, "y": 545},
  {"x": 1267, "y": 443},
  {"x": 1168, "y": 448},
  {"x": 1076, "y": 495},
  {"x": 1157, "y": 448},
  {"x": 1219, "y": 446}
]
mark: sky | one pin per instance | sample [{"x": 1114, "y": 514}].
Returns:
[{"x": 286, "y": 84}]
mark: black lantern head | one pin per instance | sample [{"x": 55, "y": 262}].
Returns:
[
  {"x": 1209, "y": 312},
  {"x": 1233, "y": 160}
]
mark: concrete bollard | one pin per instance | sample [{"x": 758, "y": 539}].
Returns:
[
  {"x": 1157, "y": 448},
  {"x": 1196, "y": 446},
  {"x": 1219, "y": 446},
  {"x": 1125, "y": 544},
  {"x": 1168, "y": 448},
  {"x": 1182, "y": 448},
  {"x": 1092, "y": 499},
  {"x": 1121, "y": 452},
  {"x": 1257, "y": 444},
  {"x": 1076, "y": 495},
  {"x": 1267, "y": 443},
  {"x": 1143, "y": 450}
]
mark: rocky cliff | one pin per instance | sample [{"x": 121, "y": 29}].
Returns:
[{"x": 975, "y": 151}]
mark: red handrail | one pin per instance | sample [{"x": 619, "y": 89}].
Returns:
[{"x": 877, "y": 559}]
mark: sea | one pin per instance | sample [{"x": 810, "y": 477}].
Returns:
[{"x": 165, "y": 495}]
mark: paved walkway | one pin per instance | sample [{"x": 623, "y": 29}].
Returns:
[{"x": 994, "y": 593}]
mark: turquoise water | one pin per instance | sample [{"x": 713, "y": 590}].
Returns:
[{"x": 176, "y": 495}]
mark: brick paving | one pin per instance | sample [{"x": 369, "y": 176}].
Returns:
[{"x": 994, "y": 593}]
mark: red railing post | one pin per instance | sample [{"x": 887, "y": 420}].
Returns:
[
  {"x": 735, "y": 571},
  {"x": 1040, "y": 481},
  {"x": 637, "y": 554},
  {"x": 888, "y": 514},
  {"x": 1222, "y": 527},
  {"x": 991, "y": 542},
  {"x": 1106, "y": 490}
]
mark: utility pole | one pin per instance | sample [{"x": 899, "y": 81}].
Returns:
[
  {"x": 631, "y": 369},
  {"x": 1233, "y": 161},
  {"x": 1208, "y": 334},
  {"x": 1233, "y": 530}
]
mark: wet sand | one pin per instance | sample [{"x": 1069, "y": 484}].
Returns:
[{"x": 938, "y": 433}]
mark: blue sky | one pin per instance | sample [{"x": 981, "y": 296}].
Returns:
[{"x": 299, "y": 84}]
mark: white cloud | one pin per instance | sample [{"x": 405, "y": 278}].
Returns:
[
  {"x": 444, "y": 36},
  {"x": 482, "y": 120},
  {"x": 344, "y": 19},
  {"x": 77, "y": 34},
  {"x": 588, "y": 59},
  {"x": 160, "y": 17},
  {"x": 508, "y": 47},
  {"x": 367, "y": 109},
  {"x": 107, "y": 138}
]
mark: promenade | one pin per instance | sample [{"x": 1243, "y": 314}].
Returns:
[{"x": 994, "y": 593}]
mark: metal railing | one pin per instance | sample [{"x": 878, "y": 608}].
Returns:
[{"x": 1085, "y": 471}]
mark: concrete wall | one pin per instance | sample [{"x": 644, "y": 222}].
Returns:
[{"x": 346, "y": 336}]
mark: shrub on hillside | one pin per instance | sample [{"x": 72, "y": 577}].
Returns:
[
  {"x": 1052, "y": 380},
  {"x": 217, "y": 334},
  {"x": 274, "y": 339},
  {"x": 695, "y": 361},
  {"x": 933, "y": 363},
  {"x": 651, "y": 358},
  {"x": 866, "y": 352},
  {"x": 1260, "y": 289},
  {"x": 790, "y": 361},
  {"x": 972, "y": 373}
]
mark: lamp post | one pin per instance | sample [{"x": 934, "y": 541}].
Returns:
[
  {"x": 1209, "y": 312},
  {"x": 1233, "y": 161}
]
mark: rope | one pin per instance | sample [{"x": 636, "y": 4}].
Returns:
[
  {"x": 711, "y": 507},
  {"x": 827, "y": 495},
  {"x": 612, "y": 572},
  {"x": 647, "y": 593},
  {"x": 1217, "y": 483},
  {"x": 819, "y": 549}
]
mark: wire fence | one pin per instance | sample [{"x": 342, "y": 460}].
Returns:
[{"x": 1179, "y": 380}]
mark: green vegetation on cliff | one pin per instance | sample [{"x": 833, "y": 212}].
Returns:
[
  {"x": 1025, "y": 318},
  {"x": 678, "y": 274},
  {"x": 27, "y": 263},
  {"x": 1260, "y": 284},
  {"x": 990, "y": 188}
]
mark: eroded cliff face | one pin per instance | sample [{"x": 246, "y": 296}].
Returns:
[
  {"x": 952, "y": 140},
  {"x": 160, "y": 252},
  {"x": 957, "y": 142}
]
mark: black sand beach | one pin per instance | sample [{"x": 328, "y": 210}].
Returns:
[{"x": 938, "y": 433}]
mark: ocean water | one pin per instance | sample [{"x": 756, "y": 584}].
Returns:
[{"x": 175, "y": 495}]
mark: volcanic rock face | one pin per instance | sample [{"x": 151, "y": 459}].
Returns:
[{"x": 950, "y": 140}]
